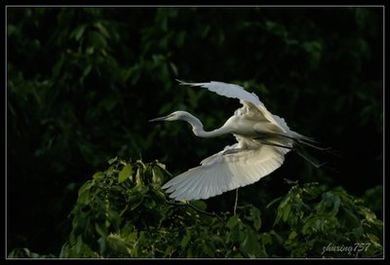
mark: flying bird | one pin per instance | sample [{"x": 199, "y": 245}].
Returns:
[{"x": 263, "y": 139}]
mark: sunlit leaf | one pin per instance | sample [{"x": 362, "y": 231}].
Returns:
[
  {"x": 102, "y": 29},
  {"x": 125, "y": 173},
  {"x": 112, "y": 160}
]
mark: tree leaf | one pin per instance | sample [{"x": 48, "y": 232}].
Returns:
[
  {"x": 102, "y": 29},
  {"x": 79, "y": 31},
  {"x": 251, "y": 244},
  {"x": 125, "y": 173},
  {"x": 255, "y": 215},
  {"x": 112, "y": 160},
  {"x": 233, "y": 221}
]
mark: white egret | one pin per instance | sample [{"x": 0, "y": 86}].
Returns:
[{"x": 262, "y": 141}]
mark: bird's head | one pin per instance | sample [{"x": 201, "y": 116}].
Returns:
[{"x": 174, "y": 116}]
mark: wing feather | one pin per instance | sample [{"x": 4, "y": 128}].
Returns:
[
  {"x": 212, "y": 188},
  {"x": 202, "y": 187},
  {"x": 184, "y": 189},
  {"x": 223, "y": 179},
  {"x": 213, "y": 176},
  {"x": 178, "y": 188},
  {"x": 227, "y": 172},
  {"x": 185, "y": 184},
  {"x": 208, "y": 185},
  {"x": 232, "y": 181},
  {"x": 227, "y": 90},
  {"x": 251, "y": 172},
  {"x": 188, "y": 187},
  {"x": 238, "y": 92}
]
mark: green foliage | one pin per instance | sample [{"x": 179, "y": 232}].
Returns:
[
  {"x": 26, "y": 253},
  {"x": 122, "y": 212},
  {"x": 315, "y": 217}
]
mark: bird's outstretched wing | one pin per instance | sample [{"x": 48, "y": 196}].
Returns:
[
  {"x": 227, "y": 90},
  {"x": 227, "y": 170},
  {"x": 247, "y": 99}
]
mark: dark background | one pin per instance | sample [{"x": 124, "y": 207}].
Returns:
[{"x": 83, "y": 83}]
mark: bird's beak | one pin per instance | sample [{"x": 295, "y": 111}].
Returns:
[{"x": 158, "y": 119}]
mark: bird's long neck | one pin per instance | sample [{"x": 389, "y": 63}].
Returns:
[{"x": 197, "y": 127}]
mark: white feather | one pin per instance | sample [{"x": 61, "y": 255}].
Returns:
[
  {"x": 238, "y": 92},
  {"x": 227, "y": 90},
  {"x": 225, "y": 172}
]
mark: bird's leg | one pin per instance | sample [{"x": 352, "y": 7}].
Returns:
[{"x": 235, "y": 203}]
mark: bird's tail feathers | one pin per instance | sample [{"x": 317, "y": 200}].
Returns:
[
  {"x": 302, "y": 137},
  {"x": 299, "y": 143},
  {"x": 315, "y": 162},
  {"x": 304, "y": 142}
]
